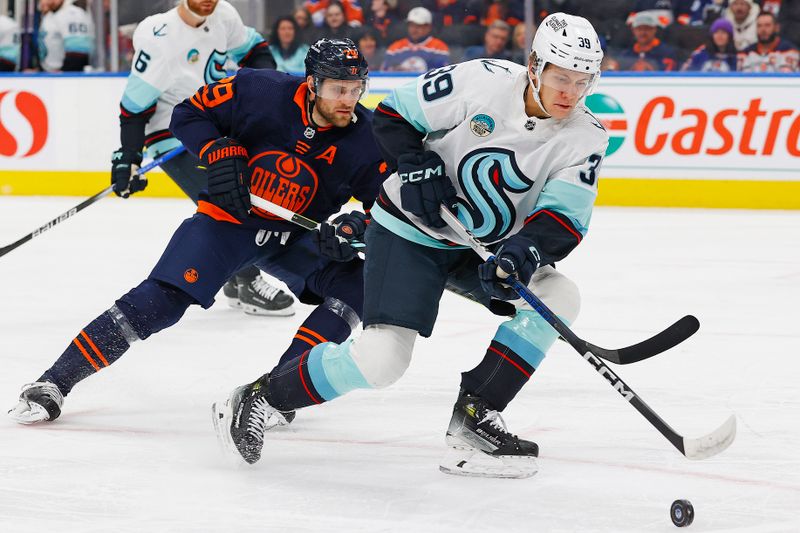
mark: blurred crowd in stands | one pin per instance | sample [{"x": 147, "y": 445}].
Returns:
[{"x": 417, "y": 35}]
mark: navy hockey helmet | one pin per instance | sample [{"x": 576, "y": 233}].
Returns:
[{"x": 336, "y": 59}]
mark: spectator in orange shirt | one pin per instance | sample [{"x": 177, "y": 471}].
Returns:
[
  {"x": 770, "y": 53},
  {"x": 352, "y": 11},
  {"x": 420, "y": 51}
]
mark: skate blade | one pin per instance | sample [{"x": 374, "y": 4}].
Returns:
[
  {"x": 234, "y": 302},
  {"x": 258, "y": 311},
  {"x": 28, "y": 413},
  {"x": 465, "y": 461},
  {"x": 221, "y": 416}
]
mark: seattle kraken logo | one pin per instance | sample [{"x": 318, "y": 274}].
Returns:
[
  {"x": 215, "y": 67},
  {"x": 485, "y": 176}
]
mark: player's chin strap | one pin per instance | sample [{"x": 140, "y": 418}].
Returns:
[
  {"x": 535, "y": 91},
  {"x": 199, "y": 19}
]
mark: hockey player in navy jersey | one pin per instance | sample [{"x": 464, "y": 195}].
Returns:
[
  {"x": 175, "y": 53},
  {"x": 515, "y": 154},
  {"x": 301, "y": 142}
]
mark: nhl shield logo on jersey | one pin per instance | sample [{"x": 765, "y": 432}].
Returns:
[
  {"x": 481, "y": 125},
  {"x": 282, "y": 179},
  {"x": 487, "y": 176}
]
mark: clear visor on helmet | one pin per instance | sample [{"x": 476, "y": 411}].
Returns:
[
  {"x": 568, "y": 82},
  {"x": 348, "y": 90}
]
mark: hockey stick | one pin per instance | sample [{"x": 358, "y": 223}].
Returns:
[
  {"x": 291, "y": 216},
  {"x": 661, "y": 342},
  {"x": 699, "y": 448},
  {"x": 86, "y": 203}
]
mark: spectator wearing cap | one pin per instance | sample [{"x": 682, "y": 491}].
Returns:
[
  {"x": 353, "y": 13},
  {"x": 660, "y": 9},
  {"x": 648, "y": 53},
  {"x": 284, "y": 44},
  {"x": 716, "y": 55},
  {"x": 770, "y": 53},
  {"x": 335, "y": 26},
  {"x": 419, "y": 51},
  {"x": 495, "y": 41},
  {"x": 742, "y": 14}
]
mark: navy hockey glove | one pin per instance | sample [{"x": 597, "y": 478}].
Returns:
[
  {"x": 519, "y": 257},
  {"x": 348, "y": 226},
  {"x": 228, "y": 176},
  {"x": 124, "y": 177},
  {"x": 425, "y": 186}
]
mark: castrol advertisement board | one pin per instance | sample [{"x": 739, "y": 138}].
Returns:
[{"x": 675, "y": 140}]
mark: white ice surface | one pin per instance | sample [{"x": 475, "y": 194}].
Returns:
[{"x": 134, "y": 450}]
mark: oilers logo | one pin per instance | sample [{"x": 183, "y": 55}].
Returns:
[
  {"x": 282, "y": 179},
  {"x": 215, "y": 66},
  {"x": 486, "y": 176}
]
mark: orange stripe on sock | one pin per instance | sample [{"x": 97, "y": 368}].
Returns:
[
  {"x": 313, "y": 334},
  {"x": 306, "y": 339},
  {"x": 501, "y": 354},
  {"x": 96, "y": 350},
  {"x": 86, "y": 354}
]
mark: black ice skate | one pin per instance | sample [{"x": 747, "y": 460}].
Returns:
[
  {"x": 38, "y": 402},
  {"x": 231, "y": 292},
  {"x": 258, "y": 297},
  {"x": 242, "y": 419},
  {"x": 480, "y": 445}
]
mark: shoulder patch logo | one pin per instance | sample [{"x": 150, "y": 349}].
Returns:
[
  {"x": 160, "y": 32},
  {"x": 190, "y": 275},
  {"x": 193, "y": 56},
  {"x": 481, "y": 125}
]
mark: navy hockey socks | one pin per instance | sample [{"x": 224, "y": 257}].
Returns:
[
  {"x": 517, "y": 350},
  {"x": 98, "y": 345},
  {"x": 322, "y": 325}
]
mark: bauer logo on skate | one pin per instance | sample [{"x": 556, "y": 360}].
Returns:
[
  {"x": 282, "y": 179},
  {"x": 23, "y": 124}
]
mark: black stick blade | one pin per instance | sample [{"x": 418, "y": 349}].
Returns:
[{"x": 661, "y": 342}]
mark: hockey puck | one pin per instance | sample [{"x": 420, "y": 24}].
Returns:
[{"x": 681, "y": 512}]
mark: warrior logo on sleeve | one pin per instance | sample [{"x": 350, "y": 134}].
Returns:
[
  {"x": 282, "y": 179},
  {"x": 486, "y": 175}
]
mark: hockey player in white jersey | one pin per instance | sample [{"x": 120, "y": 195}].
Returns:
[
  {"x": 514, "y": 152},
  {"x": 175, "y": 53},
  {"x": 66, "y": 36}
]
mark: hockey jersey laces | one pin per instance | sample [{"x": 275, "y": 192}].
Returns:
[{"x": 264, "y": 289}]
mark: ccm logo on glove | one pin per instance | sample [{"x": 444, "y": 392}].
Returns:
[{"x": 424, "y": 174}]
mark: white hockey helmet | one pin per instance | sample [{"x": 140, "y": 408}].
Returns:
[{"x": 569, "y": 42}]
